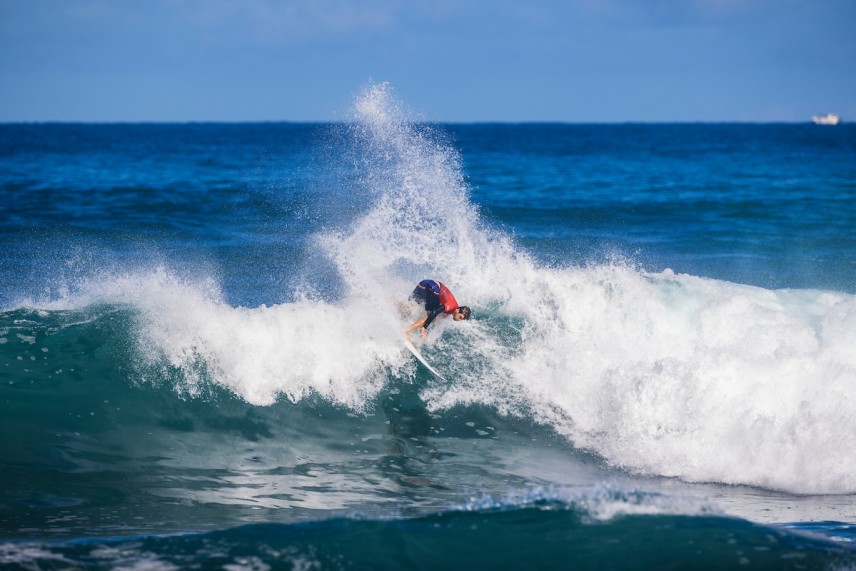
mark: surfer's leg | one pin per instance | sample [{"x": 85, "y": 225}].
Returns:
[{"x": 432, "y": 304}]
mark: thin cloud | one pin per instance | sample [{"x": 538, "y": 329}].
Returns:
[{"x": 271, "y": 23}]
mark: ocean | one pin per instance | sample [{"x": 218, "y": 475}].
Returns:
[{"x": 201, "y": 358}]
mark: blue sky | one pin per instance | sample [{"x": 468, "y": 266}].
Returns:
[{"x": 448, "y": 60}]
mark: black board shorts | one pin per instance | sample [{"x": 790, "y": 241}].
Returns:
[{"x": 425, "y": 295}]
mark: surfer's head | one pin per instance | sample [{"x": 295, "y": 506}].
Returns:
[{"x": 461, "y": 313}]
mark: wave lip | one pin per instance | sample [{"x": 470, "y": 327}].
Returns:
[{"x": 603, "y": 502}]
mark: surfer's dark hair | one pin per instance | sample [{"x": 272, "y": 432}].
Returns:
[{"x": 465, "y": 311}]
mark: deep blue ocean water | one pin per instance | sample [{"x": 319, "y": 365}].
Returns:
[{"x": 201, "y": 362}]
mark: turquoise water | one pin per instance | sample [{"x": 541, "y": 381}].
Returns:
[{"x": 201, "y": 364}]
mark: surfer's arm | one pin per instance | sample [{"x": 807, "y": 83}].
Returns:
[
  {"x": 419, "y": 323},
  {"x": 433, "y": 315}
]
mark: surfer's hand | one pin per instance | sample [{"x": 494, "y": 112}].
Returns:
[{"x": 424, "y": 333}]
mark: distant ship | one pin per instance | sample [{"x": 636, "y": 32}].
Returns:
[{"x": 828, "y": 119}]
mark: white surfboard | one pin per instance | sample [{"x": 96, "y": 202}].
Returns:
[{"x": 421, "y": 359}]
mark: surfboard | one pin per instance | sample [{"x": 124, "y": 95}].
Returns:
[{"x": 421, "y": 359}]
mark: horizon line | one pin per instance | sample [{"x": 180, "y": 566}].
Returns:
[{"x": 418, "y": 122}]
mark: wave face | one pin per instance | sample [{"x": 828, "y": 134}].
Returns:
[{"x": 147, "y": 398}]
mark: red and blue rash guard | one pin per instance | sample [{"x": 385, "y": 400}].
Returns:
[
  {"x": 447, "y": 300},
  {"x": 437, "y": 299}
]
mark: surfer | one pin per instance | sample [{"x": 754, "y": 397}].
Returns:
[{"x": 438, "y": 300}]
